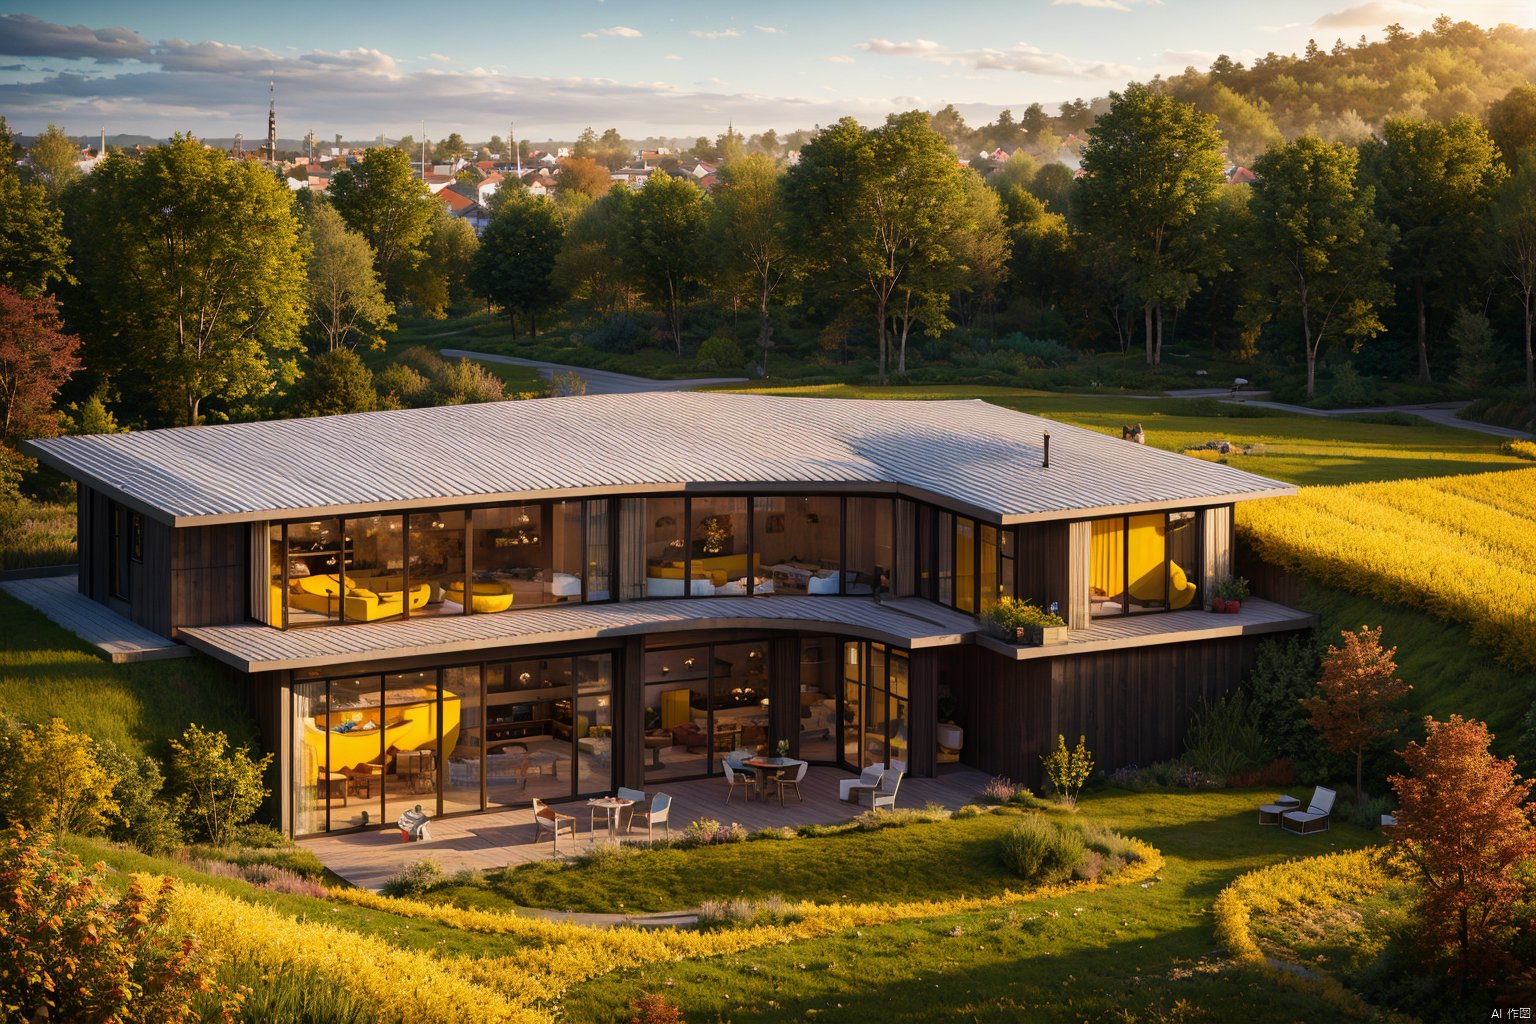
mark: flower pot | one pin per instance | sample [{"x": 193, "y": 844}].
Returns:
[{"x": 1222, "y": 604}]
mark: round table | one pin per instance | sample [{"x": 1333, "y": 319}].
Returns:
[
  {"x": 611, "y": 805},
  {"x": 1270, "y": 814},
  {"x": 761, "y": 766}
]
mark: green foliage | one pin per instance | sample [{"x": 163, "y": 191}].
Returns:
[
  {"x": 1345, "y": 387},
  {"x": 346, "y": 299},
  {"x": 337, "y": 381},
  {"x": 661, "y": 251},
  {"x": 1512, "y": 124},
  {"x": 381, "y": 198},
  {"x": 1285, "y": 670},
  {"x": 1011, "y": 614},
  {"x": 34, "y": 254},
  {"x": 1231, "y": 588},
  {"x": 143, "y": 817},
  {"x": 217, "y": 787},
  {"x": 720, "y": 352},
  {"x": 415, "y": 879},
  {"x": 1041, "y": 851},
  {"x": 1225, "y": 738},
  {"x": 514, "y": 266},
  {"x": 51, "y": 778},
  {"x": 51, "y": 160},
  {"x": 89, "y": 417},
  {"x": 1067, "y": 770},
  {"x": 1525, "y": 743},
  {"x": 1476, "y": 353},
  {"x": 1036, "y": 351}
]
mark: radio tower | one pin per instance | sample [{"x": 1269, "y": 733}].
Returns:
[{"x": 272, "y": 124}]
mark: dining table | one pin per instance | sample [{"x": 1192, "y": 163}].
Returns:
[
  {"x": 765, "y": 768},
  {"x": 610, "y": 806}
]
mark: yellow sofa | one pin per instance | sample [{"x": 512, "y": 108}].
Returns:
[
  {"x": 366, "y": 599},
  {"x": 486, "y": 597},
  {"x": 718, "y": 569},
  {"x": 409, "y": 727},
  {"x": 1181, "y": 589}
]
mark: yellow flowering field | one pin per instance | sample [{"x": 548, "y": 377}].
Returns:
[{"x": 1460, "y": 547}]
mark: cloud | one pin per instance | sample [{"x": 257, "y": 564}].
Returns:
[
  {"x": 726, "y": 33},
  {"x": 22, "y": 35},
  {"x": 1108, "y": 5},
  {"x": 622, "y": 31},
  {"x": 767, "y": 30},
  {"x": 671, "y": 56},
  {"x": 1375, "y": 14},
  {"x": 1280, "y": 28},
  {"x": 589, "y": 35},
  {"x": 1020, "y": 57},
  {"x": 442, "y": 59},
  {"x": 839, "y": 58}
]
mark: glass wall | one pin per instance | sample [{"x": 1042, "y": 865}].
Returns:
[
  {"x": 438, "y": 562},
  {"x": 368, "y": 748},
  {"x": 1144, "y": 563},
  {"x": 871, "y": 545},
  {"x": 666, "y": 556},
  {"x": 721, "y": 536},
  {"x": 376, "y": 570},
  {"x": 315, "y": 562},
  {"x": 875, "y": 681},
  {"x": 677, "y": 712},
  {"x": 798, "y": 542},
  {"x": 599, "y": 550},
  {"x": 819, "y": 720},
  {"x": 527, "y": 555},
  {"x": 965, "y": 564}
]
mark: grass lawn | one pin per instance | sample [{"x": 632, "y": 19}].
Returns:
[
  {"x": 885, "y": 865},
  {"x": 1124, "y": 954},
  {"x": 47, "y": 672},
  {"x": 1298, "y": 449},
  {"x": 45, "y": 537}
]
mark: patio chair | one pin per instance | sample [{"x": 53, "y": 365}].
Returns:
[
  {"x": 1314, "y": 818},
  {"x": 869, "y": 778},
  {"x": 792, "y": 782},
  {"x": 883, "y": 795},
  {"x": 742, "y": 780},
  {"x": 547, "y": 819},
  {"x": 655, "y": 813}
]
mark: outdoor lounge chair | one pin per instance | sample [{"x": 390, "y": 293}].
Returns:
[
  {"x": 743, "y": 780},
  {"x": 869, "y": 778},
  {"x": 1314, "y": 818},
  {"x": 655, "y": 813},
  {"x": 547, "y": 819},
  {"x": 883, "y": 795},
  {"x": 792, "y": 782}
]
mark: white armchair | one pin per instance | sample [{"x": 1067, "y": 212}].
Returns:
[
  {"x": 869, "y": 778},
  {"x": 883, "y": 795}
]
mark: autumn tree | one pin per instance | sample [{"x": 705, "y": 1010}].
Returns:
[
  {"x": 1151, "y": 174},
  {"x": 1356, "y": 705},
  {"x": 36, "y": 358},
  {"x": 747, "y": 236},
  {"x": 75, "y": 949},
  {"x": 197, "y": 263},
  {"x": 346, "y": 299},
  {"x": 661, "y": 245},
  {"x": 515, "y": 263},
  {"x": 1317, "y": 248},
  {"x": 382, "y": 198},
  {"x": 1434, "y": 182},
  {"x": 54, "y": 160},
  {"x": 1464, "y": 820},
  {"x": 583, "y": 176}
]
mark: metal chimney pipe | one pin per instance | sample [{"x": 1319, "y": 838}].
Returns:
[{"x": 1046, "y": 463}]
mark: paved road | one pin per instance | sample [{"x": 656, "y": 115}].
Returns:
[
  {"x": 599, "y": 382},
  {"x": 1443, "y": 413}
]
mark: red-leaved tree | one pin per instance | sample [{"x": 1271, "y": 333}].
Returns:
[
  {"x": 1356, "y": 705},
  {"x": 36, "y": 357},
  {"x": 1465, "y": 821}
]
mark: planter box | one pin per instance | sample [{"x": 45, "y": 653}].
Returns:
[
  {"x": 1043, "y": 636},
  {"x": 1220, "y": 604}
]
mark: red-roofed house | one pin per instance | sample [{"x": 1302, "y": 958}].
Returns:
[{"x": 1242, "y": 176}]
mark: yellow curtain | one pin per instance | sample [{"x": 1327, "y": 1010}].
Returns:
[
  {"x": 674, "y": 708},
  {"x": 1148, "y": 554},
  {"x": 1106, "y": 556}
]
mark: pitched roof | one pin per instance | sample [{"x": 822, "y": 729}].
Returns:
[
  {"x": 456, "y": 200},
  {"x": 969, "y": 455}
]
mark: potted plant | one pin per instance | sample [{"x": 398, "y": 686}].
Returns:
[
  {"x": 1227, "y": 596},
  {"x": 783, "y": 748},
  {"x": 1020, "y": 621}
]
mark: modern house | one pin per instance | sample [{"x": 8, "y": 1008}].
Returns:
[{"x": 473, "y": 606}]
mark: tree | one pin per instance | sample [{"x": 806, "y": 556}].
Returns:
[
  {"x": 1034, "y": 121},
  {"x": 1052, "y": 185},
  {"x": 1514, "y": 227},
  {"x": 1512, "y": 124},
  {"x": 198, "y": 263},
  {"x": 874, "y": 209},
  {"x": 441, "y": 280},
  {"x": 383, "y": 200},
  {"x": 75, "y": 949},
  {"x": 586, "y": 147},
  {"x": 590, "y": 266},
  {"x": 450, "y": 149},
  {"x": 1465, "y": 821},
  {"x": 8, "y": 147},
  {"x": 1356, "y": 704},
  {"x": 217, "y": 787},
  {"x": 1152, "y": 171},
  {"x": 337, "y": 381},
  {"x": 747, "y": 234},
  {"x": 1434, "y": 183},
  {"x": 514, "y": 266},
  {"x": 33, "y": 251},
  {"x": 1316, "y": 246},
  {"x": 1249, "y": 131},
  {"x": 36, "y": 358},
  {"x": 583, "y": 176},
  {"x": 981, "y": 246},
  {"x": 346, "y": 300},
  {"x": 54, "y": 159},
  {"x": 1476, "y": 362},
  {"x": 53, "y": 781},
  {"x": 661, "y": 251},
  {"x": 144, "y": 818}
]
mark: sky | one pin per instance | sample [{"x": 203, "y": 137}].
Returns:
[{"x": 679, "y": 68}]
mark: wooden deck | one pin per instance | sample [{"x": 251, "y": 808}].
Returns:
[
  {"x": 118, "y": 639},
  {"x": 501, "y": 838},
  {"x": 1256, "y": 617}
]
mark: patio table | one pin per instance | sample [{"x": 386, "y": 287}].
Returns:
[
  {"x": 1269, "y": 814},
  {"x": 762, "y": 766},
  {"x": 612, "y": 805}
]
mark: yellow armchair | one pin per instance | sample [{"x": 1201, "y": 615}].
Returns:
[{"x": 486, "y": 597}]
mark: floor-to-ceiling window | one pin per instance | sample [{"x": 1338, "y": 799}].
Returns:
[
  {"x": 798, "y": 543},
  {"x": 819, "y": 718},
  {"x": 871, "y": 545},
  {"x": 702, "y": 702},
  {"x": 1150, "y": 562},
  {"x": 438, "y": 562},
  {"x": 875, "y": 705}
]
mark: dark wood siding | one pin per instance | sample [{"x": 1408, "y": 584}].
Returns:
[
  {"x": 207, "y": 575},
  {"x": 92, "y": 528},
  {"x": 1044, "y": 563},
  {"x": 149, "y": 580},
  {"x": 1132, "y": 705}
]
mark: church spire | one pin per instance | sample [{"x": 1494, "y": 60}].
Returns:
[{"x": 272, "y": 123}]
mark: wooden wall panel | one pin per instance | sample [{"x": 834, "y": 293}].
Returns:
[
  {"x": 1045, "y": 563},
  {"x": 1267, "y": 581},
  {"x": 922, "y": 711},
  {"x": 208, "y": 574},
  {"x": 149, "y": 580}
]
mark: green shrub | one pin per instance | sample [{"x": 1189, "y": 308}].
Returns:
[
  {"x": 1347, "y": 388},
  {"x": 1224, "y": 737},
  {"x": 739, "y": 913},
  {"x": 1011, "y": 614},
  {"x": 414, "y": 880},
  {"x": 720, "y": 353},
  {"x": 1042, "y": 851},
  {"x": 619, "y": 333},
  {"x": 1067, "y": 770},
  {"x": 1036, "y": 352},
  {"x": 604, "y": 854},
  {"x": 1285, "y": 670}
]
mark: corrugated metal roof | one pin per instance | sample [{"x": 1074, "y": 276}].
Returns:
[{"x": 971, "y": 454}]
